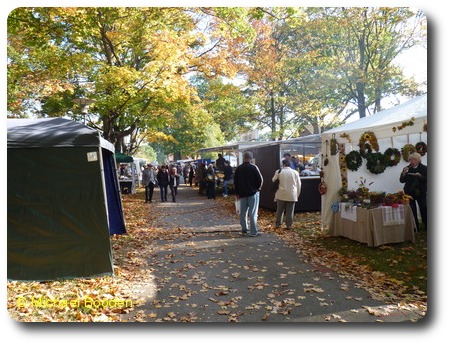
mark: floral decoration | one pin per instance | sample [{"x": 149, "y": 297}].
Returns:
[
  {"x": 353, "y": 160},
  {"x": 404, "y": 124},
  {"x": 421, "y": 148},
  {"x": 393, "y": 156},
  {"x": 368, "y": 142},
  {"x": 376, "y": 163},
  {"x": 333, "y": 146},
  {"x": 407, "y": 150},
  {"x": 346, "y": 136}
]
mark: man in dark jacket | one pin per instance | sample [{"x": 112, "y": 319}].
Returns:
[
  {"x": 414, "y": 176},
  {"x": 227, "y": 173},
  {"x": 247, "y": 184}
]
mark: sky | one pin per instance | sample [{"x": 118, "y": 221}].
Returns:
[{"x": 431, "y": 331}]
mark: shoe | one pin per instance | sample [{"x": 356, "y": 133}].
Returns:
[
  {"x": 244, "y": 233},
  {"x": 254, "y": 235}
]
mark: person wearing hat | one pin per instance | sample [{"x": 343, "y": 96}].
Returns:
[
  {"x": 148, "y": 181},
  {"x": 247, "y": 185}
]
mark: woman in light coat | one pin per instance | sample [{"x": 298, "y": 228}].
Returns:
[{"x": 287, "y": 193}]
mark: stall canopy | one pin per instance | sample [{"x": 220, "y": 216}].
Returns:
[
  {"x": 128, "y": 183},
  {"x": 123, "y": 158},
  {"x": 63, "y": 200},
  {"x": 393, "y": 128},
  {"x": 268, "y": 156}
]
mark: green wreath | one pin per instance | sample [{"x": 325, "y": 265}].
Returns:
[
  {"x": 376, "y": 163},
  {"x": 407, "y": 150},
  {"x": 421, "y": 148},
  {"x": 353, "y": 160},
  {"x": 393, "y": 156}
]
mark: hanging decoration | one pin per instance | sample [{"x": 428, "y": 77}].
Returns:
[
  {"x": 346, "y": 136},
  {"x": 353, "y": 160},
  {"x": 368, "y": 142},
  {"x": 325, "y": 161},
  {"x": 376, "y": 163},
  {"x": 322, "y": 187},
  {"x": 421, "y": 148},
  {"x": 407, "y": 150},
  {"x": 393, "y": 156},
  {"x": 403, "y": 125},
  {"x": 333, "y": 145}
]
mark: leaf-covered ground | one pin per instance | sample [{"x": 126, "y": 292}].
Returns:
[{"x": 127, "y": 292}]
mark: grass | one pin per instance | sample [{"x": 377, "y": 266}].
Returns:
[{"x": 404, "y": 262}]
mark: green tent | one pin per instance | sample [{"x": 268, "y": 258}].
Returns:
[{"x": 63, "y": 200}]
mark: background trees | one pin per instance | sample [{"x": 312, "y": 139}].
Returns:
[{"x": 169, "y": 75}]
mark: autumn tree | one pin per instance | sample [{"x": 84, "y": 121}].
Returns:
[
  {"x": 364, "y": 43},
  {"x": 132, "y": 61}
]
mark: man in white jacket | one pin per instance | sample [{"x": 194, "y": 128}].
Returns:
[{"x": 287, "y": 193}]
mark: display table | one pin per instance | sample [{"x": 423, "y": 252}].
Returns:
[
  {"x": 374, "y": 226},
  {"x": 126, "y": 186}
]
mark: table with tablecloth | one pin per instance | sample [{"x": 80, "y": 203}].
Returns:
[{"x": 373, "y": 226}]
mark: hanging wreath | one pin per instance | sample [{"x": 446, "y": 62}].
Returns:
[
  {"x": 421, "y": 148},
  {"x": 376, "y": 163},
  {"x": 368, "y": 142},
  {"x": 353, "y": 160},
  {"x": 407, "y": 150},
  {"x": 393, "y": 156}
]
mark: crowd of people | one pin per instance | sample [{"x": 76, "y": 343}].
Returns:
[
  {"x": 247, "y": 183},
  {"x": 205, "y": 177}
]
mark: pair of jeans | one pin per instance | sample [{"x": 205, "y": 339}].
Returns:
[
  {"x": 163, "y": 192},
  {"x": 249, "y": 208},
  {"x": 225, "y": 187}
]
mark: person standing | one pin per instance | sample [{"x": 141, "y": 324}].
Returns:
[
  {"x": 201, "y": 178},
  {"x": 247, "y": 185},
  {"x": 191, "y": 175},
  {"x": 288, "y": 157},
  {"x": 220, "y": 162},
  {"x": 163, "y": 182},
  {"x": 211, "y": 182},
  {"x": 174, "y": 181},
  {"x": 287, "y": 193},
  {"x": 149, "y": 181},
  {"x": 227, "y": 173},
  {"x": 414, "y": 176}
]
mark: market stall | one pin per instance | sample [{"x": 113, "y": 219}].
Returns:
[
  {"x": 128, "y": 173},
  {"x": 367, "y": 156},
  {"x": 268, "y": 157}
]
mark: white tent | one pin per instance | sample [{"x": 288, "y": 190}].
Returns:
[{"x": 393, "y": 128}]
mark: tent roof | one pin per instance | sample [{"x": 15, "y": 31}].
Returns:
[
  {"x": 414, "y": 108},
  {"x": 123, "y": 158},
  {"x": 52, "y": 132}
]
